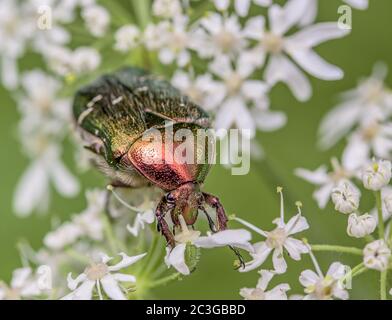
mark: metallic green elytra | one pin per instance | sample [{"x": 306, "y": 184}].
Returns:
[{"x": 114, "y": 114}]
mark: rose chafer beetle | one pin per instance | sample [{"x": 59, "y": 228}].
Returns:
[{"x": 116, "y": 112}]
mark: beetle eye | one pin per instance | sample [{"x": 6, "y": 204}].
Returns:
[{"x": 170, "y": 198}]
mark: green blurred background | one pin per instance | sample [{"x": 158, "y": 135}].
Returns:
[{"x": 253, "y": 197}]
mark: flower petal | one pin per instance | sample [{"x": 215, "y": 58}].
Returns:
[
  {"x": 295, "y": 248},
  {"x": 282, "y": 69},
  {"x": 84, "y": 292},
  {"x": 296, "y": 224},
  {"x": 176, "y": 259},
  {"x": 112, "y": 288},
  {"x": 122, "y": 277},
  {"x": 238, "y": 238},
  {"x": 278, "y": 261},
  {"x": 312, "y": 63},
  {"x": 308, "y": 278},
  {"x": 126, "y": 261},
  {"x": 261, "y": 253}
]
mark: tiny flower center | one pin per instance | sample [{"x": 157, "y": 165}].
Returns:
[
  {"x": 370, "y": 132},
  {"x": 96, "y": 271},
  {"x": 257, "y": 294},
  {"x": 324, "y": 288},
  {"x": 234, "y": 83},
  {"x": 186, "y": 235},
  {"x": 225, "y": 40},
  {"x": 272, "y": 43},
  {"x": 178, "y": 42},
  {"x": 276, "y": 238}
]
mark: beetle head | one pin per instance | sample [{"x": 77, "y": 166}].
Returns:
[{"x": 186, "y": 201}]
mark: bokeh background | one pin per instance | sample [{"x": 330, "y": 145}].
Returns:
[{"x": 253, "y": 196}]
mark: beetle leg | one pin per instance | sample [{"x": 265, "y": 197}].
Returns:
[
  {"x": 220, "y": 211},
  {"x": 162, "y": 225},
  {"x": 210, "y": 221},
  {"x": 222, "y": 221}
]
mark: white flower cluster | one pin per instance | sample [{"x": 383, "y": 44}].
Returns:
[
  {"x": 317, "y": 286},
  {"x": 230, "y": 84}
]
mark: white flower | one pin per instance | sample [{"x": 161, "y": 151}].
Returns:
[
  {"x": 16, "y": 28},
  {"x": 101, "y": 274},
  {"x": 85, "y": 59},
  {"x": 236, "y": 91},
  {"x": 361, "y": 226},
  {"x": 372, "y": 138},
  {"x": 326, "y": 181},
  {"x": 153, "y": 35},
  {"x": 217, "y": 36},
  {"x": 41, "y": 101},
  {"x": 64, "y": 61},
  {"x": 97, "y": 19},
  {"x": 176, "y": 257},
  {"x": 32, "y": 191},
  {"x": 23, "y": 285},
  {"x": 166, "y": 8},
  {"x": 175, "y": 42},
  {"x": 201, "y": 90},
  {"x": 345, "y": 197},
  {"x": 376, "y": 255},
  {"x": 241, "y": 6},
  {"x": 369, "y": 103},
  {"x": 127, "y": 38},
  {"x": 299, "y": 47},
  {"x": 260, "y": 293},
  {"x": 88, "y": 223},
  {"x": 377, "y": 175},
  {"x": 58, "y": 59},
  {"x": 277, "y": 240},
  {"x": 145, "y": 215},
  {"x": 320, "y": 287}
]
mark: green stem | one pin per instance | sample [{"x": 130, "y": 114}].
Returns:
[
  {"x": 142, "y": 10},
  {"x": 151, "y": 253},
  {"x": 340, "y": 249},
  {"x": 381, "y": 228},
  {"x": 383, "y": 285},
  {"x": 110, "y": 235},
  {"x": 164, "y": 281}
]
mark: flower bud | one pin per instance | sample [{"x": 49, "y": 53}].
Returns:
[
  {"x": 377, "y": 175},
  {"x": 376, "y": 255},
  {"x": 361, "y": 226},
  {"x": 345, "y": 197}
]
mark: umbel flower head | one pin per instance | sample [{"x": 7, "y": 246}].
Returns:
[
  {"x": 278, "y": 240},
  {"x": 102, "y": 274}
]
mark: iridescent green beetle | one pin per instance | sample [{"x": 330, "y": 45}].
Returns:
[{"x": 113, "y": 115}]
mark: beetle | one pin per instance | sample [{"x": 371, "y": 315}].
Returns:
[{"x": 113, "y": 115}]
